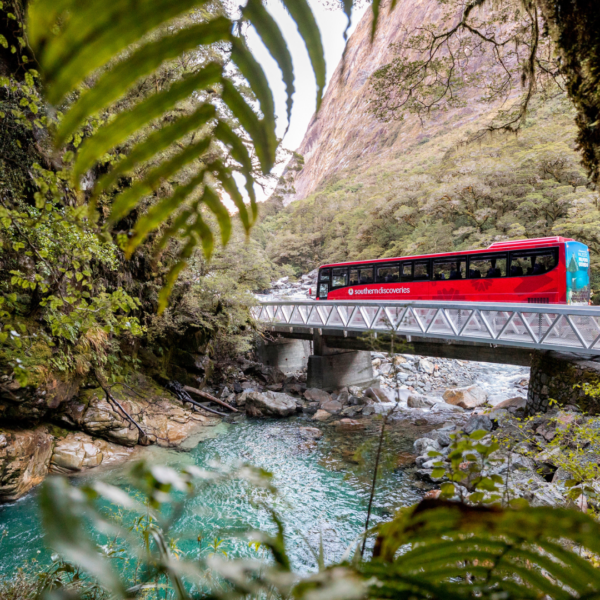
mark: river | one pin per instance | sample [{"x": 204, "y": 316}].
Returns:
[{"x": 323, "y": 490}]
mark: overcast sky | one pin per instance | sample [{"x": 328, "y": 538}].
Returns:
[{"x": 332, "y": 24}]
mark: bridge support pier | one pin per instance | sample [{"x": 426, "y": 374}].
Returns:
[
  {"x": 287, "y": 354},
  {"x": 330, "y": 368},
  {"x": 554, "y": 376}
]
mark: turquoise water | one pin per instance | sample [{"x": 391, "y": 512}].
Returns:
[{"x": 323, "y": 491}]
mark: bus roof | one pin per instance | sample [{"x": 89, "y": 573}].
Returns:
[{"x": 508, "y": 245}]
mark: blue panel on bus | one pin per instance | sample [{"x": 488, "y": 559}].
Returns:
[{"x": 578, "y": 273}]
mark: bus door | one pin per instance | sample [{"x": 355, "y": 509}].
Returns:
[
  {"x": 577, "y": 258},
  {"x": 324, "y": 284}
]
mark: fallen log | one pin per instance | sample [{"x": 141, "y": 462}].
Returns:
[{"x": 193, "y": 390}]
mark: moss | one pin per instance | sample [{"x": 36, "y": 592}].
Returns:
[{"x": 57, "y": 432}]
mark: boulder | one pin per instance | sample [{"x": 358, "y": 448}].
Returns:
[
  {"x": 357, "y": 400},
  {"x": 321, "y": 415},
  {"x": 270, "y": 404},
  {"x": 343, "y": 397},
  {"x": 548, "y": 456},
  {"x": 316, "y": 395},
  {"x": 310, "y": 433},
  {"x": 331, "y": 406},
  {"x": 294, "y": 388},
  {"x": 377, "y": 395},
  {"x": 418, "y": 401},
  {"x": 514, "y": 405},
  {"x": 426, "y": 366},
  {"x": 399, "y": 360},
  {"x": 478, "y": 423},
  {"x": 467, "y": 397},
  {"x": 78, "y": 451},
  {"x": 24, "y": 460},
  {"x": 422, "y": 444}
]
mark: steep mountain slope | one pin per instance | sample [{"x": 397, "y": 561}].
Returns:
[{"x": 345, "y": 133}]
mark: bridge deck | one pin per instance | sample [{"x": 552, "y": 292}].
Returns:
[{"x": 541, "y": 327}]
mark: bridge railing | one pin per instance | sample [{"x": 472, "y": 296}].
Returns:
[{"x": 544, "y": 327}]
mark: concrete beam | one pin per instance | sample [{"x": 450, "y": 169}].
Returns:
[{"x": 434, "y": 347}]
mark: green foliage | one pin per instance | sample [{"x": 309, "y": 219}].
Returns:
[
  {"x": 132, "y": 43},
  {"x": 471, "y": 458}
]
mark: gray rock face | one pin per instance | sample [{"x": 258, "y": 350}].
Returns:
[
  {"x": 444, "y": 439},
  {"x": 477, "y": 423},
  {"x": 270, "y": 404},
  {"x": 467, "y": 397}
]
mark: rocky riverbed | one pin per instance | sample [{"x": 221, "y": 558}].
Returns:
[{"x": 87, "y": 430}]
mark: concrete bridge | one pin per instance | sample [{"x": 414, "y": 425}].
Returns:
[{"x": 334, "y": 339}]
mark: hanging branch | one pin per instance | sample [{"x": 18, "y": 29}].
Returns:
[{"x": 144, "y": 437}]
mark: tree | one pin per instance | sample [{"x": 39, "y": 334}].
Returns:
[{"x": 534, "y": 45}]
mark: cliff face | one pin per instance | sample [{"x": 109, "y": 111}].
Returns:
[{"x": 344, "y": 134}]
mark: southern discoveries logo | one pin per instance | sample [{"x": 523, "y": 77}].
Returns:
[{"x": 381, "y": 290}]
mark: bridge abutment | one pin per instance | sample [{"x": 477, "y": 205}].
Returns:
[
  {"x": 332, "y": 368},
  {"x": 561, "y": 377},
  {"x": 288, "y": 354}
]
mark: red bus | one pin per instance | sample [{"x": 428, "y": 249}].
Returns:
[{"x": 552, "y": 270}]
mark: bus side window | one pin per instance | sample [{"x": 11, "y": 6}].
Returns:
[
  {"x": 532, "y": 263},
  {"x": 487, "y": 266},
  {"x": 406, "y": 272},
  {"x": 339, "y": 277},
  {"x": 421, "y": 271},
  {"x": 390, "y": 274},
  {"x": 445, "y": 268},
  {"x": 361, "y": 276}
]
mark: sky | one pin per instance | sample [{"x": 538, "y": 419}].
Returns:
[{"x": 332, "y": 24}]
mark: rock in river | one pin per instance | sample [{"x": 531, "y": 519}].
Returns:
[
  {"x": 270, "y": 404},
  {"x": 321, "y": 415},
  {"x": 467, "y": 397}
]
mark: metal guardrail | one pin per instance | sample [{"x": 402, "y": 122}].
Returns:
[{"x": 543, "y": 327}]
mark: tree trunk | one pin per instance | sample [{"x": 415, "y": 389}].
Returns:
[{"x": 575, "y": 28}]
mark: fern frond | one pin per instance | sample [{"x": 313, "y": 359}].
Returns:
[
  {"x": 93, "y": 54},
  {"x": 449, "y": 550}
]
